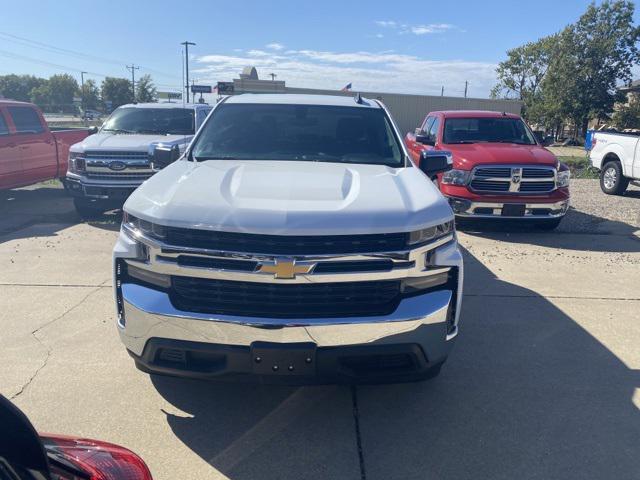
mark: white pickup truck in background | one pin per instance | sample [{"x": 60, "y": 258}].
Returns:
[
  {"x": 135, "y": 142},
  {"x": 617, "y": 156}
]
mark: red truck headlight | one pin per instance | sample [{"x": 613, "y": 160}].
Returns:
[
  {"x": 563, "y": 178},
  {"x": 455, "y": 177}
]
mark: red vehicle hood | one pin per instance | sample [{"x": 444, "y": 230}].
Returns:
[{"x": 467, "y": 156}]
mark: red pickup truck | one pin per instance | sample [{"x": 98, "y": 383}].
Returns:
[
  {"x": 499, "y": 168},
  {"x": 31, "y": 152}
]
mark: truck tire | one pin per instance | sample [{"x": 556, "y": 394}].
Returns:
[
  {"x": 548, "y": 223},
  {"x": 612, "y": 181},
  {"x": 87, "y": 209}
]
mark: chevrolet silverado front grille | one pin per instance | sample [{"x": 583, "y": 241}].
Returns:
[
  {"x": 513, "y": 179},
  {"x": 345, "y": 299}
]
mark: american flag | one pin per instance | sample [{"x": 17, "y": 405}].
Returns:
[{"x": 346, "y": 88}]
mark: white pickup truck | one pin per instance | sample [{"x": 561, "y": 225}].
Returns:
[
  {"x": 136, "y": 141},
  {"x": 617, "y": 156},
  {"x": 294, "y": 240}
]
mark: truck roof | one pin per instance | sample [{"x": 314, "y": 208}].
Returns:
[
  {"x": 7, "y": 101},
  {"x": 166, "y": 105},
  {"x": 298, "y": 99},
  {"x": 475, "y": 114}
]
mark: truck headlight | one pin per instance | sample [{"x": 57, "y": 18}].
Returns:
[
  {"x": 455, "y": 177},
  {"x": 77, "y": 163},
  {"x": 430, "y": 234},
  {"x": 144, "y": 227},
  {"x": 563, "y": 178}
]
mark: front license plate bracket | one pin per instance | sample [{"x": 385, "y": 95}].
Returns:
[
  {"x": 513, "y": 210},
  {"x": 283, "y": 358}
]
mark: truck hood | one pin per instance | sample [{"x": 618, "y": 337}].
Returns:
[
  {"x": 466, "y": 157},
  {"x": 290, "y": 198},
  {"x": 128, "y": 142}
]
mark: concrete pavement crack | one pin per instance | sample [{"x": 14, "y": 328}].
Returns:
[
  {"x": 48, "y": 349},
  {"x": 356, "y": 420}
]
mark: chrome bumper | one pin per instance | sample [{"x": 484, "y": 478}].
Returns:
[
  {"x": 466, "y": 208},
  {"x": 149, "y": 314}
]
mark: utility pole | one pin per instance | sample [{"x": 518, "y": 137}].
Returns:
[
  {"x": 82, "y": 91},
  {"x": 133, "y": 69},
  {"x": 186, "y": 62},
  {"x": 442, "y": 91},
  {"x": 466, "y": 85}
]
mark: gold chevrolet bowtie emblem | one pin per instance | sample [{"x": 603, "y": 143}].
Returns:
[{"x": 284, "y": 268}]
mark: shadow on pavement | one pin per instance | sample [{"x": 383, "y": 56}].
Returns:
[
  {"x": 47, "y": 205},
  {"x": 526, "y": 394},
  {"x": 268, "y": 432},
  {"x": 575, "y": 222}
]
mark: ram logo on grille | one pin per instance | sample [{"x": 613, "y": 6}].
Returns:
[{"x": 285, "y": 268}]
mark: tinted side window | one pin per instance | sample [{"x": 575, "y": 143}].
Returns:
[
  {"x": 4, "y": 129},
  {"x": 25, "y": 119},
  {"x": 427, "y": 124},
  {"x": 433, "y": 130}
]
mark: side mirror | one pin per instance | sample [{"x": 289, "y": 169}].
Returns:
[
  {"x": 425, "y": 139},
  {"x": 162, "y": 155},
  {"x": 93, "y": 130},
  {"x": 433, "y": 162}
]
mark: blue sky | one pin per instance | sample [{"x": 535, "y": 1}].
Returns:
[{"x": 401, "y": 46}]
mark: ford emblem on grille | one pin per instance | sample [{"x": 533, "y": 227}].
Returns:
[{"x": 117, "y": 166}]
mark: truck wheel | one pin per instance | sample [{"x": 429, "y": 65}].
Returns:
[
  {"x": 548, "y": 223},
  {"x": 87, "y": 209},
  {"x": 612, "y": 181}
]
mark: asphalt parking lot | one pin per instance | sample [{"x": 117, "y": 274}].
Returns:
[{"x": 544, "y": 381}]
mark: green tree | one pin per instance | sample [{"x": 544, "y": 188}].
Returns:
[
  {"x": 145, "y": 90},
  {"x": 591, "y": 58},
  {"x": 90, "y": 95},
  {"x": 18, "y": 87},
  {"x": 520, "y": 76},
  {"x": 62, "y": 89},
  {"x": 628, "y": 115},
  {"x": 116, "y": 90}
]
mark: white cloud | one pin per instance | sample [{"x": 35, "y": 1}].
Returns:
[
  {"x": 424, "y": 29},
  {"x": 275, "y": 46},
  {"x": 368, "y": 71},
  {"x": 386, "y": 23},
  {"x": 431, "y": 28},
  {"x": 379, "y": 35}
]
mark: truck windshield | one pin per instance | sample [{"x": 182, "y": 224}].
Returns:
[
  {"x": 319, "y": 133},
  {"x": 477, "y": 130},
  {"x": 154, "y": 121}
]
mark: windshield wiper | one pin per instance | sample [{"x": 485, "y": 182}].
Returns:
[
  {"x": 118, "y": 130},
  {"x": 220, "y": 157},
  {"x": 512, "y": 141},
  {"x": 464, "y": 142}
]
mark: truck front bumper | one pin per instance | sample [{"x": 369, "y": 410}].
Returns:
[
  {"x": 489, "y": 209},
  {"x": 403, "y": 345},
  {"x": 117, "y": 192}
]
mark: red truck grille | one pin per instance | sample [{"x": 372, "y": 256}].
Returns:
[{"x": 513, "y": 179}]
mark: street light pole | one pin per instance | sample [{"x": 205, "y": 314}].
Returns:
[
  {"x": 133, "y": 69},
  {"x": 186, "y": 61}
]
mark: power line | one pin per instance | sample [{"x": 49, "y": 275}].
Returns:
[
  {"x": 65, "y": 51},
  {"x": 65, "y": 67}
]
